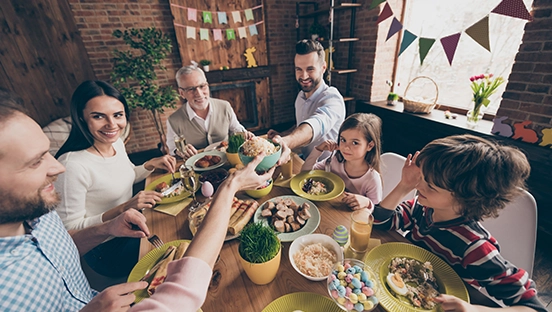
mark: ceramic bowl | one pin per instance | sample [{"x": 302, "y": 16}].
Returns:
[
  {"x": 268, "y": 161},
  {"x": 215, "y": 176},
  {"x": 309, "y": 239},
  {"x": 261, "y": 192}
]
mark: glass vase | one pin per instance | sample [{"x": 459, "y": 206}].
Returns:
[{"x": 474, "y": 115}]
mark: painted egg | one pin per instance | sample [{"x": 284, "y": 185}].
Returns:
[
  {"x": 341, "y": 235},
  {"x": 207, "y": 189}
]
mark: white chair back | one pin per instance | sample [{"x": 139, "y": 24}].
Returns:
[
  {"x": 515, "y": 229},
  {"x": 391, "y": 171}
]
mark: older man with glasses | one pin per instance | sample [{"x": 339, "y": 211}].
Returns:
[{"x": 201, "y": 120}]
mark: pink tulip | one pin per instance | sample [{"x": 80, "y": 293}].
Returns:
[{"x": 472, "y": 79}]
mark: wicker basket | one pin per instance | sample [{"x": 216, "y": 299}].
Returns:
[{"x": 419, "y": 107}]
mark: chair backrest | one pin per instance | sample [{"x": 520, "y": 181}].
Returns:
[
  {"x": 515, "y": 229},
  {"x": 391, "y": 171}
]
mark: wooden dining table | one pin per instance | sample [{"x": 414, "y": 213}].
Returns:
[{"x": 230, "y": 288}]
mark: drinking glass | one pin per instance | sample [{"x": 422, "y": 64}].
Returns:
[
  {"x": 189, "y": 182},
  {"x": 361, "y": 229},
  {"x": 180, "y": 142}
]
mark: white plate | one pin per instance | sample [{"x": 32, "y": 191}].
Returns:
[
  {"x": 213, "y": 147},
  {"x": 190, "y": 163},
  {"x": 310, "y": 226}
]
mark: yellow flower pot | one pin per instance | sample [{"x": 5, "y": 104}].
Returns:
[
  {"x": 233, "y": 158},
  {"x": 262, "y": 273}
]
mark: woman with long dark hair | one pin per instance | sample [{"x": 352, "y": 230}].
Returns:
[{"x": 97, "y": 185}]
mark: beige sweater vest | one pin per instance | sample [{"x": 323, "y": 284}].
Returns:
[{"x": 219, "y": 124}]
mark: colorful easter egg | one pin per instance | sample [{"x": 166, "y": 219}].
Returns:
[
  {"x": 341, "y": 235},
  {"x": 207, "y": 189}
]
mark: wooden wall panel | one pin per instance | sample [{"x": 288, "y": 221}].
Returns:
[{"x": 42, "y": 57}]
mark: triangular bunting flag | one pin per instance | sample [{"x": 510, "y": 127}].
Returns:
[
  {"x": 190, "y": 32},
  {"x": 407, "y": 40},
  {"x": 217, "y": 34},
  {"x": 241, "y": 32},
  {"x": 385, "y": 14},
  {"x": 203, "y": 34},
  {"x": 236, "y": 16},
  {"x": 230, "y": 34},
  {"x": 513, "y": 8},
  {"x": 222, "y": 18},
  {"x": 396, "y": 26},
  {"x": 249, "y": 15},
  {"x": 480, "y": 32},
  {"x": 192, "y": 14},
  {"x": 207, "y": 17},
  {"x": 253, "y": 30},
  {"x": 425, "y": 45},
  {"x": 375, "y": 3},
  {"x": 449, "y": 44}
]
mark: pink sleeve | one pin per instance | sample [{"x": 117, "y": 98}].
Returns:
[
  {"x": 373, "y": 188},
  {"x": 184, "y": 289}
]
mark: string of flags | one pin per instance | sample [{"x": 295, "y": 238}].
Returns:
[
  {"x": 207, "y": 16},
  {"x": 204, "y": 33},
  {"x": 479, "y": 31}
]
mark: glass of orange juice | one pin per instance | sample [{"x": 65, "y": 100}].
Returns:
[{"x": 361, "y": 228}]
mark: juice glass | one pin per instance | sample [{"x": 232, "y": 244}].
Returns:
[{"x": 361, "y": 228}]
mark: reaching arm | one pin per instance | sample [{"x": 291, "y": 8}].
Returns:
[
  {"x": 411, "y": 176},
  {"x": 300, "y": 136}
]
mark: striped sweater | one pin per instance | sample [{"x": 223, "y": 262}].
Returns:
[{"x": 467, "y": 247}]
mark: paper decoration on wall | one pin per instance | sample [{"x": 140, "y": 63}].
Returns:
[
  {"x": 396, "y": 26},
  {"x": 425, "y": 46},
  {"x": 375, "y": 3},
  {"x": 329, "y": 62},
  {"x": 230, "y": 34},
  {"x": 192, "y": 15},
  {"x": 480, "y": 32},
  {"x": 217, "y": 34},
  {"x": 449, "y": 45},
  {"x": 203, "y": 34},
  {"x": 236, "y": 16},
  {"x": 500, "y": 128},
  {"x": 253, "y": 30},
  {"x": 222, "y": 18},
  {"x": 251, "y": 62},
  {"x": 546, "y": 137},
  {"x": 207, "y": 17},
  {"x": 525, "y": 134},
  {"x": 241, "y": 32},
  {"x": 385, "y": 14},
  {"x": 190, "y": 32},
  {"x": 249, "y": 15},
  {"x": 513, "y": 8},
  {"x": 407, "y": 40}
]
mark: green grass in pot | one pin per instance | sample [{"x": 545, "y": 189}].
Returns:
[
  {"x": 258, "y": 243},
  {"x": 234, "y": 143}
]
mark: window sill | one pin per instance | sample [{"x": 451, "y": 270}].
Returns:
[{"x": 483, "y": 126}]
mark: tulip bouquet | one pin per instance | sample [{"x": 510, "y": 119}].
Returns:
[{"x": 483, "y": 86}]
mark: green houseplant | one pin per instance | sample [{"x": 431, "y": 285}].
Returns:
[
  {"x": 234, "y": 143},
  {"x": 260, "y": 252},
  {"x": 392, "y": 98},
  {"x": 205, "y": 64},
  {"x": 134, "y": 73}
]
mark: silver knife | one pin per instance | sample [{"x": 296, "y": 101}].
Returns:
[{"x": 171, "y": 189}]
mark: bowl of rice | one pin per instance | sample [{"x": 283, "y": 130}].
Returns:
[
  {"x": 314, "y": 255},
  {"x": 254, "y": 146}
]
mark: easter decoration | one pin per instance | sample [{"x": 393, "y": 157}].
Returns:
[
  {"x": 205, "y": 64},
  {"x": 341, "y": 235},
  {"x": 251, "y": 62},
  {"x": 351, "y": 285},
  {"x": 260, "y": 252}
]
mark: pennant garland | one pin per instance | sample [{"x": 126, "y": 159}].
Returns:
[
  {"x": 203, "y": 34},
  {"x": 192, "y": 15},
  {"x": 230, "y": 34},
  {"x": 236, "y": 16},
  {"x": 249, "y": 15},
  {"x": 478, "y": 31},
  {"x": 207, "y": 17},
  {"x": 222, "y": 18},
  {"x": 253, "y": 30},
  {"x": 241, "y": 32},
  {"x": 190, "y": 32},
  {"x": 217, "y": 34}
]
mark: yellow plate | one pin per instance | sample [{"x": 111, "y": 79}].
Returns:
[
  {"x": 167, "y": 179},
  {"x": 303, "y": 301},
  {"x": 332, "y": 181},
  {"x": 146, "y": 263},
  {"x": 379, "y": 258}
]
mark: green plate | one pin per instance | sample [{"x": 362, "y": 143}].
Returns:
[
  {"x": 303, "y": 301},
  {"x": 146, "y": 263},
  {"x": 167, "y": 179},
  {"x": 190, "y": 163},
  {"x": 379, "y": 258},
  {"x": 332, "y": 181},
  {"x": 310, "y": 225}
]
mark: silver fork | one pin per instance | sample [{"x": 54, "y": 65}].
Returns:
[
  {"x": 155, "y": 241},
  {"x": 327, "y": 164}
]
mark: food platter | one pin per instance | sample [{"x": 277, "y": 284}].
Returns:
[
  {"x": 191, "y": 162},
  {"x": 380, "y": 257},
  {"x": 302, "y": 301},
  {"x": 215, "y": 147},
  {"x": 310, "y": 226},
  {"x": 146, "y": 263},
  {"x": 167, "y": 179},
  {"x": 333, "y": 182}
]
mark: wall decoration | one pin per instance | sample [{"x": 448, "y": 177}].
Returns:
[
  {"x": 480, "y": 33},
  {"x": 236, "y": 16},
  {"x": 329, "y": 62},
  {"x": 249, "y": 15},
  {"x": 222, "y": 17},
  {"x": 207, "y": 17},
  {"x": 546, "y": 137},
  {"x": 241, "y": 32},
  {"x": 230, "y": 34},
  {"x": 408, "y": 38},
  {"x": 449, "y": 45},
  {"x": 396, "y": 26},
  {"x": 192, "y": 15},
  {"x": 249, "y": 58},
  {"x": 523, "y": 133},
  {"x": 500, "y": 128},
  {"x": 425, "y": 46}
]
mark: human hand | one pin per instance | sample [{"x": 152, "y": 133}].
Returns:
[
  {"x": 165, "y": 162},
  {"x": 453, "y": 304},
  {"x": 286, "y": 151},
  {"x": 130, "y": 223},
  {"x": 115, "y": 298},
  {"x": 411, "y": 174},
  {"x": 271, "y": 134},
  {"x": 144, "y": 199},
  {"x": 248, "y": 135},
  {"x": 248, "y": 179},
  {"x": 356, "y": 202},
  {"x": 328, "y": 145}
]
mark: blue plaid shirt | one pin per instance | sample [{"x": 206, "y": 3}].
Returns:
[{"x": 41, "y": 271}]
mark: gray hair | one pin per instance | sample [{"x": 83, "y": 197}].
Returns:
[{"x": 188, "y": 70}]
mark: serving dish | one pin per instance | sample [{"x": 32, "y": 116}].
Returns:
[
  {"x": 333, "y": 182},
  {"x": 167, "y": 179},
  {"x": 309, "y": 239},
  {"x": 191, "y": 162}
]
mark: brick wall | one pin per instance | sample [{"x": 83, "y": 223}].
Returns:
[{"x": 528, "y": 95}]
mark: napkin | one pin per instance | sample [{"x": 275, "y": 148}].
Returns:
[{"x": 174, "y": 208}]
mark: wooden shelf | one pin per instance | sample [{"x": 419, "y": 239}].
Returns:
[
  {"x": 346, "y": 40},
  {"x": 344, "y": 71},
  {"x": 348, "y": 98},
  {"x": 342, "y": 6}
]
